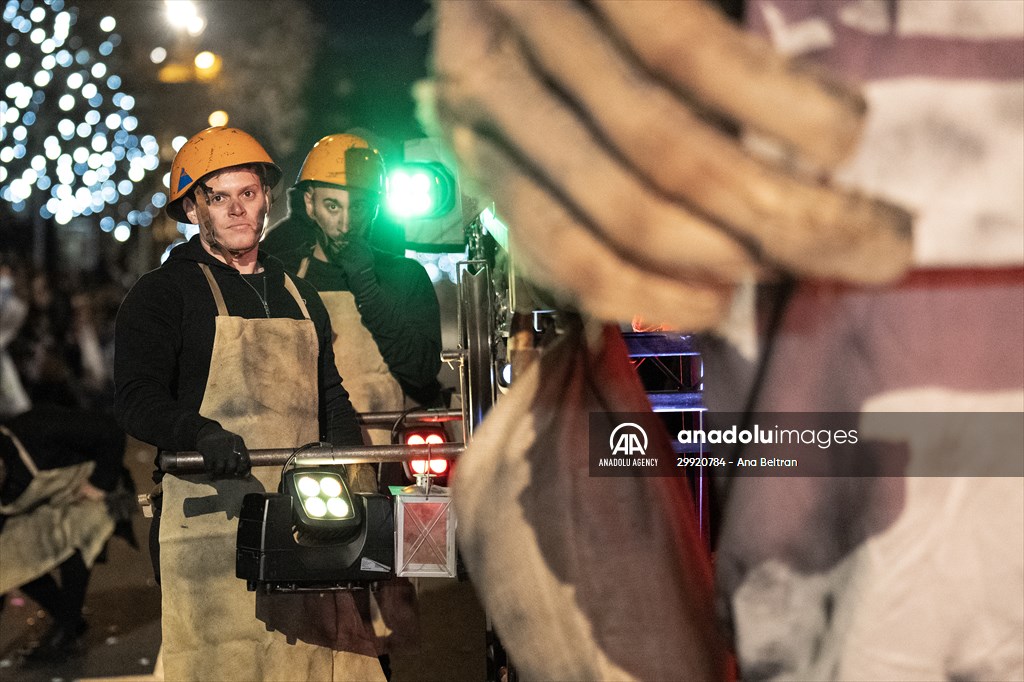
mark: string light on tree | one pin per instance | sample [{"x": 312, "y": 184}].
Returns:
[{"x": 68, "y": 140}]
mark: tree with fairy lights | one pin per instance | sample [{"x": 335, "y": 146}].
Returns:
[{"x": 69, "y": 142}]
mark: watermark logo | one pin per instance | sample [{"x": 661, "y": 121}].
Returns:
[
  {"x": 628, "y": 439},
  {"x": 806, "y": 444},
  {"x": 627, "y": 444}
]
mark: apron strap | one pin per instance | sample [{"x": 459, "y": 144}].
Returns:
[
  {"x": 289, "y": 284},
  {"x": 303, "y": 266},
  {"x": 222, "y": 310},
  {"x": 22, "y": 452}
]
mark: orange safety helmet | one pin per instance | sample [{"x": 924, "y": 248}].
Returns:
[
  {"x": 212, "y": 150},
  {"x": 344, "y": 160}
]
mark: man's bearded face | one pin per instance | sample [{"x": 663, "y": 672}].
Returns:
[{"x": 342, "y": 214}]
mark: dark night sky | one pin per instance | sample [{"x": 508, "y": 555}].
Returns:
[{"x": 373, "y": 51}]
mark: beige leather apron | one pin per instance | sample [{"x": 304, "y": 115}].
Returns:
[
  {"x": 364, "y": 373},
  {"x": 263, "y": 386},
  {"x": 48, "y": 522},
  {"x": 371, "y": 388}
]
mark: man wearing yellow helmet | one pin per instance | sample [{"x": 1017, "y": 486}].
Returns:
[
  {"x": 383, "y": 307},
  {"x": 217, "y": 351}
]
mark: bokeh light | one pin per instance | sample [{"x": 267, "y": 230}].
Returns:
[
  {"x": 68, "y": 144},
  {"x": 205, "y": 60}
]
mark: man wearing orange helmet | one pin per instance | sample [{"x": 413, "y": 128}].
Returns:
[
  {"x": 383, "y": 307},
  {"x": 217, "y": 351}
]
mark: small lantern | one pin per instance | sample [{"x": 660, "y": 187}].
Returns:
[{"x": 424, "y": 532}]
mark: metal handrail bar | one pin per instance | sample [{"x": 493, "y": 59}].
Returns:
[
  {"x": 319, "y": 455},
  {"x": 416, "y": 416}
]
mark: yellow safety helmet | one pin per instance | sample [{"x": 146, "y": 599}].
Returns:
[
  {"x": 212, "y": 150},
  {"x": 344, "y": 160}
]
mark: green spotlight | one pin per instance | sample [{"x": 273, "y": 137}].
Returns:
[{"x": 420, "y": 190}]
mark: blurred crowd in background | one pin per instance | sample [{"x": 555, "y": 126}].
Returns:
[{"x": 57, "y": 336}]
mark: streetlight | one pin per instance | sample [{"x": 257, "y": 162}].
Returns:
[
  {"x": 208, "y": 66},
  {"x": 183, "y": 14},
  {"x": 205, "y": 60}
]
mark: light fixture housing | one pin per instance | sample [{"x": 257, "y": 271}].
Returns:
[
  {"x": 314, "y": 534},
  {"x": 323, "y": 505}
]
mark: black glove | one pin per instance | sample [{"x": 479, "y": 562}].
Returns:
[
  {"x": 355, "y": 257},
  {"x": 224, "y": 453}
]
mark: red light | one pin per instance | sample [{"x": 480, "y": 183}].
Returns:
[
  {"x": 437, "y": 466},
  {"x": 426, "y": 436}
]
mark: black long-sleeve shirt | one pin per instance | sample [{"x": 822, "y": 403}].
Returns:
[
  {"x": 164, "y": 341},
  {"x": 56, "y": 437},
  {"x": 403, "y": 315}
]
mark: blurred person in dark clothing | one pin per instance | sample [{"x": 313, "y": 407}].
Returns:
[
  {"x": 14, "y": 398},
  {"x": 41, "y": 350},
  {"x": 58, "y": 351},
  {"x": 63, "y": 492}
]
